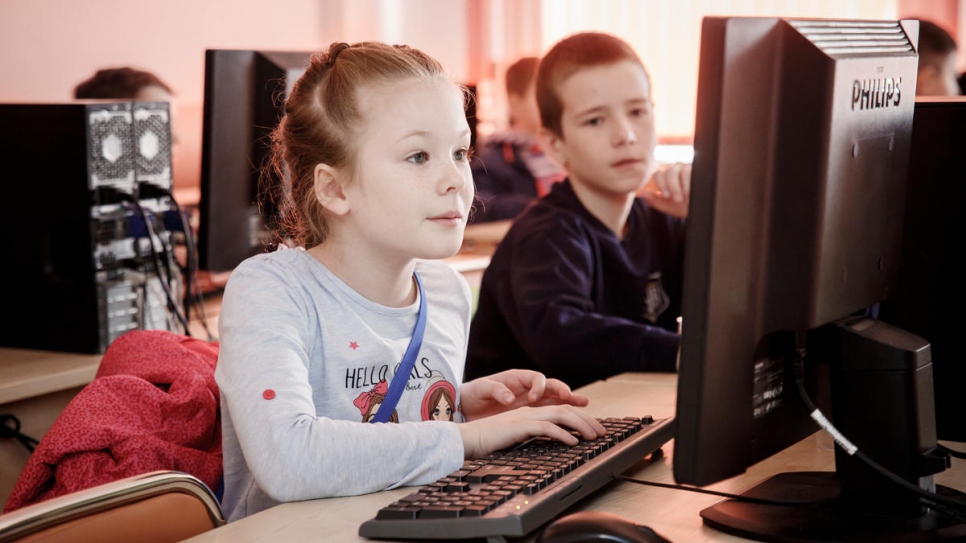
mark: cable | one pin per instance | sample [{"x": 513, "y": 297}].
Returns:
[
  {"x": 735, "y": 497},
  {"x": 952, "y": 452},
  {"x": 954, "y": 509},
  {"x": 10, "y": 428},
  {"x": 936, "y": 500},
  {"x": 191, "y": 269},
  {"x": 172, "y": 304}
]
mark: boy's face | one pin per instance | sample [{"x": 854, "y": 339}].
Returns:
[
  {"x": 938, "y": 78},
  {"x": 524, "y": 111},
  {"x": 607, "y": 127}
]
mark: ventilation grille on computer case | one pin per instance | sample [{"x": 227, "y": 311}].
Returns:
[
  {"x": 152, "y": 143},
  {"x": 110, "y": 147}
]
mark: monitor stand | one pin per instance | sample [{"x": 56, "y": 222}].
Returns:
[
  {"x": 880, "y": 381},
  {"x": 836, "y": 520}
]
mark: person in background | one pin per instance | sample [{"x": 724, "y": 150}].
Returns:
[
  {"x": 124, "y": 83},
  {"x": 375, "y": 142},
  {"x": 937, "y": 62},
  {"x": 510, "y": 168},
  {"x": 586, "y": 284}
]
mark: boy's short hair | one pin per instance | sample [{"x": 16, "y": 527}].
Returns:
[
  {"x": 120, "y": 83},
  {"x": 568, "y": 56},
  {"x": 935, "y": 44},
  {"x": 520, "y": 74}
]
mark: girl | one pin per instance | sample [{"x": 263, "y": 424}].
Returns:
[{"x": 375, "y": 143}]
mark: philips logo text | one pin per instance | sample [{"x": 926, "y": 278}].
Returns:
[{"x": 875, "y": 93}]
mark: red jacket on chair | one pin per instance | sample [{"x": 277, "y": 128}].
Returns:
[{"x": 153, "y": 405}]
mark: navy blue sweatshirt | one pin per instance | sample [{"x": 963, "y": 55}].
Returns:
[{"x": 565, "y": 296}]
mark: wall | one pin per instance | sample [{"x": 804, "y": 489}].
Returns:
[{"x": 50, "y": 45}]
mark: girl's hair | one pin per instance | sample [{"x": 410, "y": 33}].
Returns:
[
  {"x": 320, "y": 126},
  {"x": 568, "y": 56}
]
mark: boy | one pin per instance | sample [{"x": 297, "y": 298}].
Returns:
[
  {"x": 587, "y": 282},
  {"x": 937, "y": 62},
  {"x": 511, "y": 168}
]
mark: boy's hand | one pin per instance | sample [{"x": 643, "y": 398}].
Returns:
[
  {"x": 483, "y": 436},
  {"x": 669, "y": 189},
  {"x": 511, "y": 389}
]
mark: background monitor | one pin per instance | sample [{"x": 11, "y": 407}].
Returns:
[
  {"x": 801, "y": 150},
  {"x": 244, "y": 98},
  {"x": 931, "y": 286}
]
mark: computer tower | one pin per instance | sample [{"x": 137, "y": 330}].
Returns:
[{"x": 79, "y": 269}]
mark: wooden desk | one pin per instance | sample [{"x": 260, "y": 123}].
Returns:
[{"x": 672, "y": 513}]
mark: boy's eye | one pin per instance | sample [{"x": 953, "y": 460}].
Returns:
[
  {"x": 642, "y": 108},
  {"x": 640, "y": 112},
  {"x": 595, "y": 121},
  {"x": 419, "y": 158}
]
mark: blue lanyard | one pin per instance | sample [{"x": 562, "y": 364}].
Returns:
[{"x": 398, "y": 384}]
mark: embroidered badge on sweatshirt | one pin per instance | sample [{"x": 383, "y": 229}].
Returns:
[{"x": 656, "y": 299}]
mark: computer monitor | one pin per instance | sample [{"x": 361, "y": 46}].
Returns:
[
  {"x": 245, "y": 92},
  {"x": 930, "y": 277},
  {"x": 802, "y": 141}
]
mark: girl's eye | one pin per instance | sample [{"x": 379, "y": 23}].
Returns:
[
  {"x": 419, "y": 158},
  {"x": 461, "y": 155},
  {"x": 596, "y": 121}
]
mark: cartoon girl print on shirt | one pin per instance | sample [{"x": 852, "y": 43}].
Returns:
[
  {"x": 368, "y": 402},
  {"x": 438, "y": 403}
]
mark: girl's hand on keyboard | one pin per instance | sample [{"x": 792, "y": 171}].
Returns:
[
  {"x": 483, "y": 436},
  {"x": 511, "y": 389}
]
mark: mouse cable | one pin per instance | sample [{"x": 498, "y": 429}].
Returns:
[
  {"x": 735, "y": 497},
  {"x": 942, "y": 504},
  {"x": 748, "y": 499}
]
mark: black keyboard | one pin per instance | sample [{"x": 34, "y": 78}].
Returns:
[{"x": 515, "y": 491}]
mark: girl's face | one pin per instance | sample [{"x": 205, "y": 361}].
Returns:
[
  {"x": 443, "y": 410},
  {"x": 373, "y": 408},
  {"x": 412, "y": 187}
]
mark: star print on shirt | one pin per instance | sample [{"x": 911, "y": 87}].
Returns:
[{"x": 353, "y": 345}]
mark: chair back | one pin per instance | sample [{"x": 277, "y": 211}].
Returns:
[{"x": 156, "y": 507}]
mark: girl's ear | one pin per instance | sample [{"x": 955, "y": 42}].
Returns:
[{"x": 328, "y": 189}]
